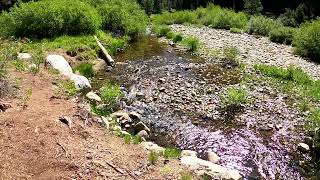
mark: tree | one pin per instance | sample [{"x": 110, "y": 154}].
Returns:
[{"x": 253, "y": 6}]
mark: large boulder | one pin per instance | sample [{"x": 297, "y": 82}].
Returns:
[
  {"x": 150, "y": 146},
  {"x": 99, "y": 65},
  {"x": 80, "y": 82},
  {"x": 59, "y": 63}
]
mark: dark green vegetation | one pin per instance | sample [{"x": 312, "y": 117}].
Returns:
[
  {"x": 172, "y": 153},
  {"x": 232, "y": 103},
  {"x": 301, "y": 87},
  {"x": 282, "y": 35},
  {"x": 84, "y": 69},
  {"x": 49, "y": 18}
]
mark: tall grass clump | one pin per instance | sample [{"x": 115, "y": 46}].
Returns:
[
  {"x": 123, "y": 16},
  {"x": 50, "y": 18},
  {"x": 307, "y": 40},
  {"x": 192, "y": 44},
  {"x": 110, "y": 94},
  {"x": 85, "y": 69},
  {"x": 282, "y": 35},
  {"x": 261, "y": 25}
]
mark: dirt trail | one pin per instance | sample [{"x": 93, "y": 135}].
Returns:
[{"x": 34, "y": 144}]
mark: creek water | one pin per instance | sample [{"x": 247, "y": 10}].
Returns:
[{"x": 178, "y": 96}]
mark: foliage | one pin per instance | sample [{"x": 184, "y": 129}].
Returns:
[
  {"x": 25, "y": 98},
  {"x": 192, "y": 44},
  {"x": 177, "y": 38},
  {"x": 123, "y": 16},
  {"x": 153, "y": 157},
  {"x": 170, "y": 35},
  {"x": 85, "y": 69},
  {"x": 253, "y": 7},
  {"x": 236, "y": 30},
  {"x": 282, "y": 35},
  {"x": 261, "y": 25},
  {"x": 186, "y": 176},
  {"x": 172, "y": 153},
  {"x": 236, "y": 96},
  {"x": 307, "y": 41},
  {"x": 65, "y": 88},
  {"x": 295, "y": 17},
  {"x": 162, "y": 30},
  {"x": 232, "y": 102},
  {"x": 110, "y": 93},
  {"x": 231, "y": 53},
  {"x": 19, "y": 65},
  {"x": 49, "y": 18}
]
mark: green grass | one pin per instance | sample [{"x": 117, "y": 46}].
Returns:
[
  {"x": 186, "y": 176},
  {"x": 172, "y": 153},
  {"x": 282, "y": 35},
  {"x": 177, "y": 38},
  {"x": 231, "y": 53},
  {"x": 65, "y": 88},
  {"x": 236, "y": 30},
  {"x": 236, "y": 96},
  {"x": 162, "y": 30},
  {"x": 85, "y": 69},
  {"x": 261, "y": 25},
  {"x": 153, "y": 157},
  {"x": 191, "y": 43},
  {"x": 110, "y": 94}
]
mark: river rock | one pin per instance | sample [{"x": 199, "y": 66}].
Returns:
[
  {"x": 120, "y": 114},
  {"x": 80, "y": 82},
  {"x": 93, "y": 97},
  {"x": 150, "y": 146},
  {"x": 304, "y": 148},
  {"x": 135, "y": 115},
  {"x": 213, "y": 157},
  {"x": 59, "y": 63},
  {"x": 24, "y": 56},
  {"x": 143, "y": 134},
  {"x": 99, "y": 65},
  {"x": 188, "y": 153},
  {"x": 213, "y": 170},
  {"x": 106, "y": 122},
  {"x": 4, "y": 106},
  {"x": 141, "y": 126},
  {"x": 308, "y": 141}
]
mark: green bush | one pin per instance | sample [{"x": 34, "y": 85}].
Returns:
[
  {"x": 123, "y": 16},
  {"x": 307, "y": 41},
  {"x": 172, "y": 153},
  {"x": 236, "y": 30},
  {"x": 49, "y": 18},
  {"x": 162, "y": 30},
  {"x": 177, "y": 38},
  {"x": 85, "y": 69},
  {"x": 192, "y": 44},
  {"x": 282, "y": 35},
  {"x": 110, "y": 94},
  {"x": 170, "y": 35},
  {"x": 261, "y": 25},
  {"x": 253, "y": 6},
  {"x": 295, "y": 17}
]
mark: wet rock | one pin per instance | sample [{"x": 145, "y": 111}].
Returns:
[
  {"x": 150, "y": 146},
  {"x": 93, "y": 97},
  {"x": 143, "y": 134},
  {"x": 106, "y": 122},
  {"x": 304, "y": 148},
  {"x": 141, "y": 126},
  {"x": 99, "y": 65},
  {"x": 124, "y": 133},
  {"x": 24, "y": 56},
  {"x": 213, "y": 157},
  {"x": 188, "y": 153},
  {"x": 162, "y": 89},
  {"x": 135, "y": 116},
  {"x": 120, "y": 114},
  {"x": 59, "y": 63},
  {"x": 308, "y": 141},
  {"x": 162, "y": 80}
]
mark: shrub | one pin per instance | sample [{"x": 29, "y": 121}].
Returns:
[
  {"x": 192, "y": 44},
  {"x": 295, "y": 17},
  {"x": 153, "y": 157},
  {"x": 253, "y": 6},
  {"x": 177, "y": 38},
  {"x": 236, "y": 30},
  {"x": 282, "y": 35},
  {"x": 110, "y": 94},
  {"x": 170, "y": 35},
  {"x": 261, "y": 25},
  {"x": 123, "y": 16},
  {"x": 307, "y": 41},
  {"x": 172, "y": 153},
  {"x": 162, "y": 30},
  {"x": 49, "y": 18},
  {"x": 232, "y": 103},
  {"x": 85, "y": 69},
  {"x": 231, "y": 53}
]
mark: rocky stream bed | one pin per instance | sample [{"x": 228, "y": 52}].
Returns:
[{"x": 178, "y": 96}]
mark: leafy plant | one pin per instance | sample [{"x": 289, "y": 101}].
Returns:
[
  {"x": 294, "y": 17},
  {"x": 19, "y": 65},
  {"x": 232, "y": 103},
  {"x": 192, "y": 44},
  {"x": 282, "y": 35},
  {"x": 236, "y": 30},
  {"x": 177, "y": 38},
  {"x": 85, "y": 69},
  {"x": 253, "y": 6},
  {"x": 170, "y": 35},
  {"x": 186, "y": 176},
  {"x": 261, "y": 25},
  {"x": 123, "y": 16},
  {"x": 153, "y": 157},
  {"x": 110, "y": 93},
  {"x": 231, "y": 53},
  {"x": 26, "y": 97},
  {"x": 50, "y": 18},
  {"x": 163, "y": 31},
  {"x": 65, "y": 88},
  {"x": 306, "y": 40},
  {"x": 172, "y": 153}
]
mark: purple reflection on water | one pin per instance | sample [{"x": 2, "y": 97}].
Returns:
[{"x": 239, "y": 147}]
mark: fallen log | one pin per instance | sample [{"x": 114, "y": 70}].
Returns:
[{"x": 108, "y": 59}]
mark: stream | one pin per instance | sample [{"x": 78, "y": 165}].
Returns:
[{"x": 178, "y": 96}]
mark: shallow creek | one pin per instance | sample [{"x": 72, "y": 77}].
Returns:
[{"x": 178, "y": 96}]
